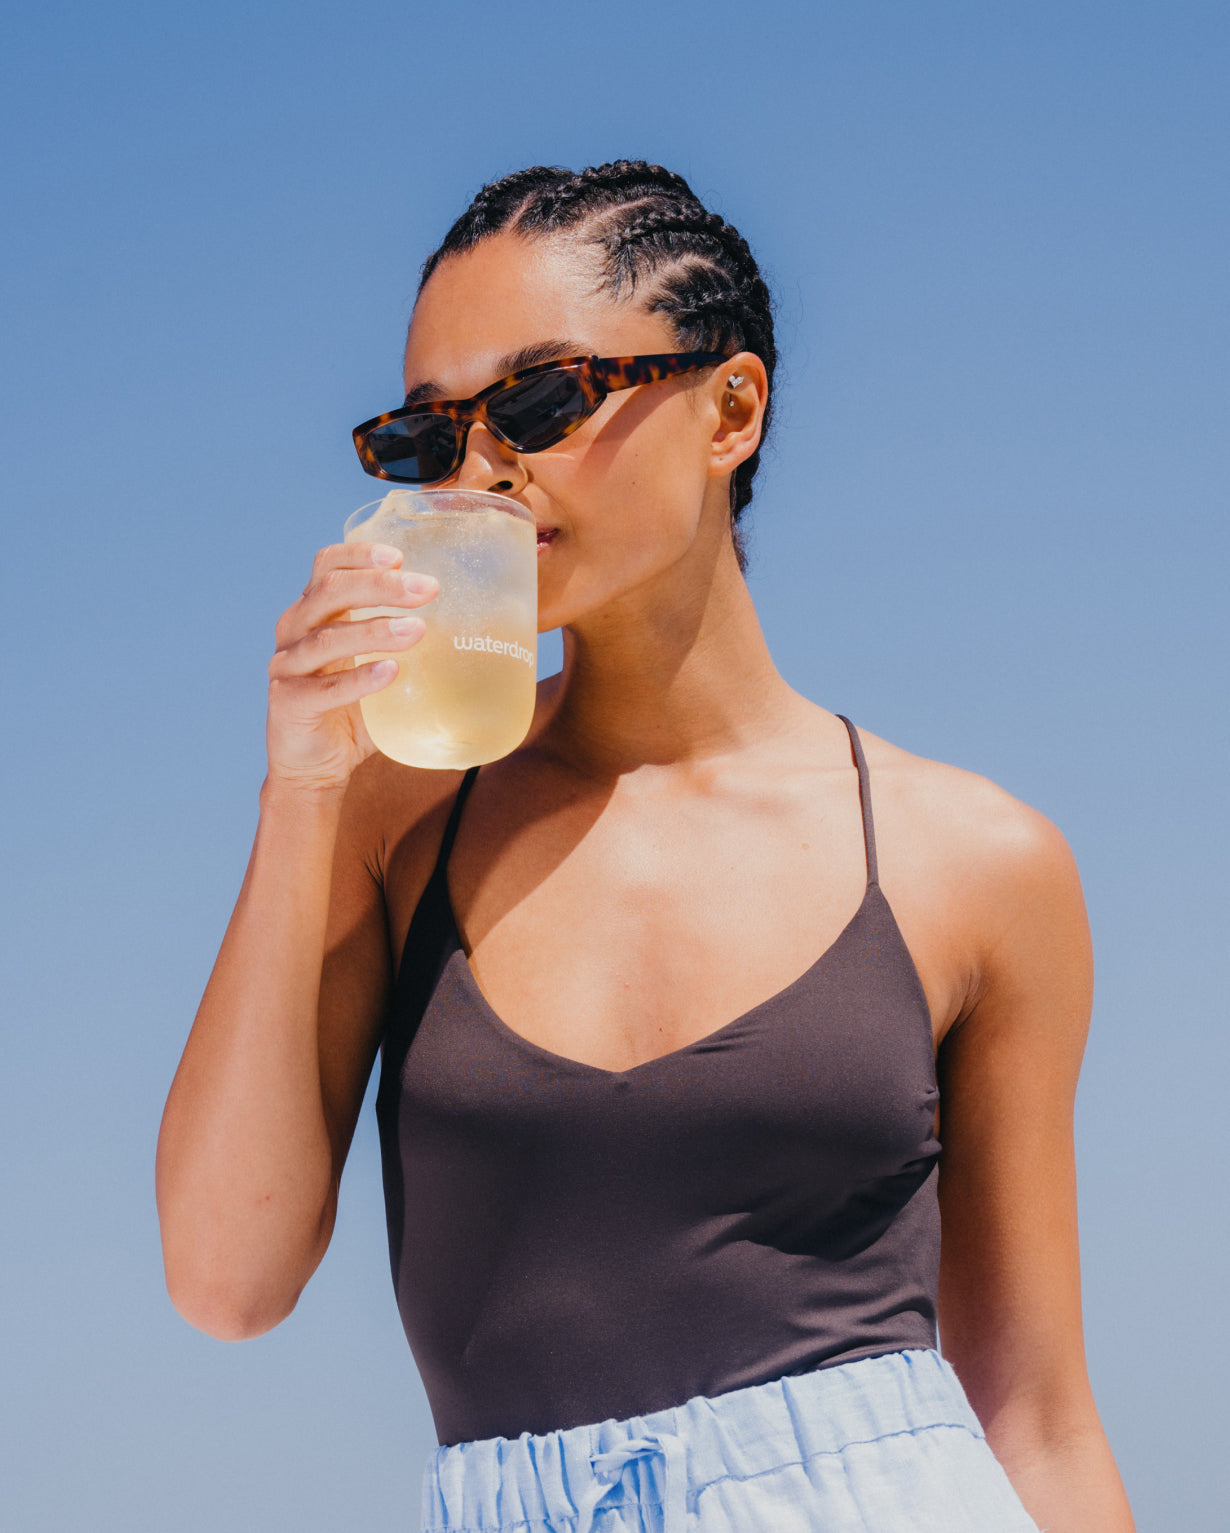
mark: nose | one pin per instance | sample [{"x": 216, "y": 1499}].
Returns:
[{"x": 489, "y": 465}]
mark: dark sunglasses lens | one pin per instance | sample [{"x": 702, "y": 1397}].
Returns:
[
  {"x": 418, "y": 449},
  {"x": 539, "y": 411}
]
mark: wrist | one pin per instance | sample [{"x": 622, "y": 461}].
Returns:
[{"x": 300, "y": 796}]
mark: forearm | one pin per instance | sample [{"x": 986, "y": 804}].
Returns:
[
  {"x": 1068, "y": 1485},
  {"x": 245, "y": 1174}
]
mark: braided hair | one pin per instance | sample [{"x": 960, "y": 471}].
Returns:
[{"x": 655, "y": 237}]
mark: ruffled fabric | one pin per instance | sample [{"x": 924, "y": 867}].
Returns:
[{"x": 888, "y": 1444}]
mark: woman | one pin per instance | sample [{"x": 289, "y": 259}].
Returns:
[{"x": 668, "y": 1252}]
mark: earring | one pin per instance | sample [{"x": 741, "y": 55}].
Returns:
[{"x": 734, "y": 380}]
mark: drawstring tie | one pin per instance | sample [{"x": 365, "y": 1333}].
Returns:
[{"x": 613, "y": 1462}]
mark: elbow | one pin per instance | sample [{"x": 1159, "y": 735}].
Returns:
[
  {"x": 229, "y": 1294},
  {"x": 227, "y": 1311},
  {"x": 229, "y": 1279}
]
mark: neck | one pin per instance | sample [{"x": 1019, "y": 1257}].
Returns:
[{"x": 675, "y": 672}]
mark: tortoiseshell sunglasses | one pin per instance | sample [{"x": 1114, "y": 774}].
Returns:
[{"x": 527, "y": 411}]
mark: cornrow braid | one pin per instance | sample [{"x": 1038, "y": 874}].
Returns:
[
  {"x": 493, "y": 208},
  {"x": 668, "y": 230},
  {"x": 656, "y": 238},
  {"x": 623, "y": 182}
]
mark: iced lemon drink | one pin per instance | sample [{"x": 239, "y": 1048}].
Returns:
[{"x": 465, "y": 693}]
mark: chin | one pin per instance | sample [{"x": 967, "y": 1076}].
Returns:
[{"x": 579, "y": 584}]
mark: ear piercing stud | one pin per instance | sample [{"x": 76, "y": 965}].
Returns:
[{"x": 734, "y": 380}]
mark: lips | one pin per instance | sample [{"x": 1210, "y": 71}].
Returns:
[{"x": 546, "y": 536}]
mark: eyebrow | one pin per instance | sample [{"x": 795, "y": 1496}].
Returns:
[{"x": 528, "y": 356}]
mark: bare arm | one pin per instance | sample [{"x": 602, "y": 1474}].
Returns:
[
  {"x": 262, "y": 1108},
  {"x": 1010, "y": 1303}
]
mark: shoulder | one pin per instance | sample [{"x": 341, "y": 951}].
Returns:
[
  {"x": 393, "y": 811},
  {"x": 393, "y": 816},
  {"x": 987, "y": 879},
  {"x": 965, "y": 820}
]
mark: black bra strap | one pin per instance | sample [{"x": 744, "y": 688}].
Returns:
[
  {"x": 454, "y": 819},
  {"x": 864, "y": 796}
]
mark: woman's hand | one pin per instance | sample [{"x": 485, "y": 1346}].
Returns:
[{"x": 314, "y": 733}]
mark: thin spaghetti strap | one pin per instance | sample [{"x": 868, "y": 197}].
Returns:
[
  {"x": 454, "y": 819},
  {"x": 864, "y": 797},
  {"x": 429, "y": 939}
]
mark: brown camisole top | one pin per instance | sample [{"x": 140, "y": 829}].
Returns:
[{"x": 571, "y": 1244}]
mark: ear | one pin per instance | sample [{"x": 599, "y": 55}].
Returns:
[{"x": 740, "y": 391}]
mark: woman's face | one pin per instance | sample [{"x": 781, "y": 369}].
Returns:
[{"x": 638, "y": 487}]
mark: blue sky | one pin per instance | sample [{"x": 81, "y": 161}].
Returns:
[{"x": 992, "y": 528}]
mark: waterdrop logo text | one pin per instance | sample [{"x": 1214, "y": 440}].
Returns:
[{"x": 494, "y": 646}]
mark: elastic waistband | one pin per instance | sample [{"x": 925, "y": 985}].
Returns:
[{"x": 664, "y": 1458}]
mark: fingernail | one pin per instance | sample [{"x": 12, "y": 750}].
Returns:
[
  {"x": 382, "y": 553},
  {"x": 419, "y": 585},
  {"x": 405, "y": 624}
]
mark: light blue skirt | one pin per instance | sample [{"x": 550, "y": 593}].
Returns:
[{"x": 887, "y": 1444}]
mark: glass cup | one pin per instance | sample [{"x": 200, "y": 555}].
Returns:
[{"x": 464, "y": 694}]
